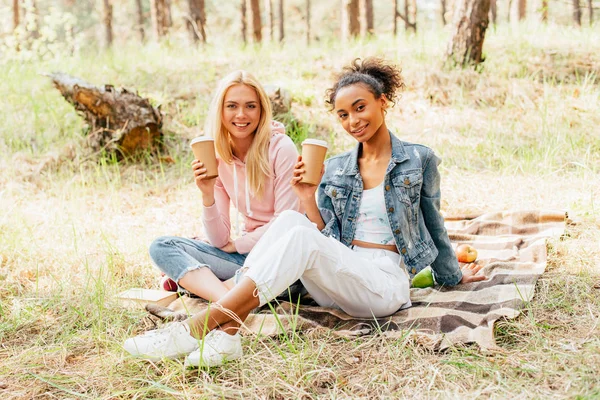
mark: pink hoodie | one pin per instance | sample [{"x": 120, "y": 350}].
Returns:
[{"x": 232, "y": 185}]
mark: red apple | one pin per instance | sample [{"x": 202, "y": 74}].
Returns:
[
  {"x": 466, "y": 253},
  {"x": 168, "y": 284}
]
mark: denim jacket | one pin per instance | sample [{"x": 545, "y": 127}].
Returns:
[{"x": 412, "y": 199}]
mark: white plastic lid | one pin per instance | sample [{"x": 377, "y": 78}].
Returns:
[
  {"x": 201, "y": 139},
  {"x": 316, "y": 142}
]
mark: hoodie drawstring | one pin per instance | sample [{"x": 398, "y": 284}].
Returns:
[{"x": 237, "y": 199}]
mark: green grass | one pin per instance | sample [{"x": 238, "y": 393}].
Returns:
[{"x": 75, "y": 226}]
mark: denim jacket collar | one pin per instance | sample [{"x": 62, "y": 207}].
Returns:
[{"x": 398, "y": 155}]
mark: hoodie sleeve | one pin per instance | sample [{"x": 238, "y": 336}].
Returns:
[
  {"x": 285, "y": 158},
  {"x": 216, "y": 218}
]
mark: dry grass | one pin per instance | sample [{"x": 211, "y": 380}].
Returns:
[{"x": 74, "y": 231}]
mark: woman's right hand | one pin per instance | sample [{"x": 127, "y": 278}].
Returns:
[
  {"x": 206, "y": 186},
  {"x": 304, "y": 191}
]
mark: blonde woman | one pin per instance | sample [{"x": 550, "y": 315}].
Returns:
[{"x": 256, "y": 162}]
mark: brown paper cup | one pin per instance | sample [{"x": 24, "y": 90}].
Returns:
[
  {"x": 204, "y": 151},
  {"x": 313, "y": 155}
]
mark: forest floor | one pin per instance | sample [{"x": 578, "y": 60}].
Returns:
[{"x": 521, "y": 133}]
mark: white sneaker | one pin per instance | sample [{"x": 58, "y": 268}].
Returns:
[
  {"x": 169, "y": 342},
  {"x": 217, "y": 348}
]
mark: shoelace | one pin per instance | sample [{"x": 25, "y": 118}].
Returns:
[{"x": 155, "y": 332}]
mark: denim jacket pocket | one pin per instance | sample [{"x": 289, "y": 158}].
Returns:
[
  {"x": 408, "y": 185},
  {"x": 339, "y": 198}
]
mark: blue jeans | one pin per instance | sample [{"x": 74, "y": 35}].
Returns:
[{"x": 176, "y": 256}]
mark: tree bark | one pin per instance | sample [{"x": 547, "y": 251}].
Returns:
[
  {"x": 160, "y": 17},
  {"x": 107, "y": 11},
  {"x": 281, "y": 22},
  {"x": 140, "y": 20},
  {"x": 591, "y": 11},
  {"x": 350, "y": 21},
  {"x": 443, "y": 11},
  {"x": 121, "y": 122},
  {"x": 395, "y": 17},
  {"x": 406, "y": 17},
  {"x": 470, "y": 23},
  {"x": 15, "y": 14},
  {"x": 518, "y": 8},
  {"x": 269, "y": 13},
  {"x": 308, "y": 22},
  {"x": 244, "y": 20},
  {"x": 522, "y": 9},
  {"x": 367, "y": 22},
  {"x": 544, "y": 10},
  {"x": 256, "y": 22},
  {"x": 494, "y": 11},
  {"x": 197, "y": 20},
  {"x": 576, "y": 12},
  {"x": 411, "y": 14}
]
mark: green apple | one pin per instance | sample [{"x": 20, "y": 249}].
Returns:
[{"x": 423, "y": 279}]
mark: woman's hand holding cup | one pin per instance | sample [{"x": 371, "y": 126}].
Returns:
[
  {"x": 205, "y": 184},
  {"x": 304, "y": 191}
]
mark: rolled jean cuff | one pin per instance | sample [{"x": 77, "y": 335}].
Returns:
[
  {"x": 188, "y": 269},
  {"x": 262, "y": 291}
]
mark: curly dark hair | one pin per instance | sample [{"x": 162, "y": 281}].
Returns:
[{"x": 376, "y": 74}]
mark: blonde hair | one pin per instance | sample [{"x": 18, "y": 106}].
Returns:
[{"x": 257, "y": 159}]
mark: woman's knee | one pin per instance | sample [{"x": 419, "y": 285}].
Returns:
[
  {"x": 304, "y": 235},
  {"x": 293, "y": 218},
  {"x": 160, "y": 245}
]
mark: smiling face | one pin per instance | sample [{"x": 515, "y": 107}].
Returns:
[
  {"x": 241, "y": 111},
  {"x": 359, "y": 112}
]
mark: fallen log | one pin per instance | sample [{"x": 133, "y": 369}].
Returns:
[{"x": 121, "y": 122}]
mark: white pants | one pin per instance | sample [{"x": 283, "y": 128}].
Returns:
[{"x": 362, "y": 282}]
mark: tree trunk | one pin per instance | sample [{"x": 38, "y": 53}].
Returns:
[
  {"x": 281, "y": 22},
  {"x": 576, "y": 12},
  {"x": 406, "y": 18},
  {"x": 591, "y": 11},
  {"x": 256, "y": 22},
  {"x": 509, "y": 10},
  {"x": 269, "y": 13},
  {"x": 168, "y": 15},
  {"x": 443, "y": 11},
  {"x": 522, "y": 11},
  {"x": 411, "y": 14},
  {"x": 307, "y": 22},
  {"x": 197, "y": 20},
  {"x": 30, "y": 7},
  {"x": 15, "y": 14},
  {"x": 544, "y": 10},
  {"x": 107, "y": 11},
  {"x": 140, "y": 20},
  {"x": 470, "y": 23},
  {"x": 519, "y": 10},
  {"x": 395, "y": 17},
  {"x": 350, "y": 22},
  {"x": 121, "y": 122},
  {"x": 367, "y": 27},
  {"x": 494, "y": 11},
  {"x": 160, "y": 17},
  {"x": 244, "y": 18}
]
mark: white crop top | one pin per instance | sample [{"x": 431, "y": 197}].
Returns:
[{"x": 372, "y": 225}]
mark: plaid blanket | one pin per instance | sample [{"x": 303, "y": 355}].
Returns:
[{"x": 512, "y": 247}]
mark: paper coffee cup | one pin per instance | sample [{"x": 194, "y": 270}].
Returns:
[
  {"x": 204, "y": 151},
  {"x": 313, "y": 155}
]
